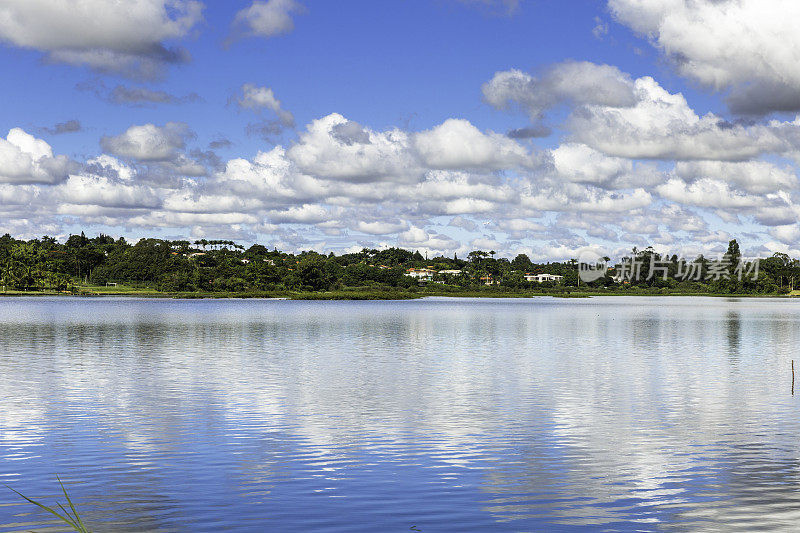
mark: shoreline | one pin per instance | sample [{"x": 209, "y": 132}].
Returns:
[{"x": 386, "y": 295}]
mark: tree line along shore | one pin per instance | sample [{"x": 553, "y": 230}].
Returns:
[{"x": 103, "y": 265}]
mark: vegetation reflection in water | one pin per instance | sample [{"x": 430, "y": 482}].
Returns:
[{"x": 449, "y": 415}]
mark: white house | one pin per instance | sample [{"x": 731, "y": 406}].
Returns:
[
  {"x": 540, "y": 278},
  {"x": 451, "y": 272},
  {"x": 422, "y": 274}
]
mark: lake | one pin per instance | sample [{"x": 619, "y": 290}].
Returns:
[{"x": 435, "y": 415}]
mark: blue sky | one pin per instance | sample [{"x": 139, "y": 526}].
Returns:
[
  {"x": 382, "y": 64},
  {"x": 391, "y": 123}
]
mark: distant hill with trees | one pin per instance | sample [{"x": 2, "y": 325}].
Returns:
[{"x": 225, "y": 267}]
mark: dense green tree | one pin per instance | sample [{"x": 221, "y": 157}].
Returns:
[
  {"x": 522, "y": 262},
  {"x": 225, "y": 266}
]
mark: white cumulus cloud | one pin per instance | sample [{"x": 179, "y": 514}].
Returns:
[
  {"x": 26, "y": 159},
  {"x": 663, "y": 126},
  {"x": 149, "y": 142},
  {"x": 266, "y": 19},
  {"x": 130, "y": 37},
  {"x": 748, "y": 47},
  {"x": 257, "y": 98},
  {"x": 574, "y": 83},
  {"x": 457, "y": 144}
]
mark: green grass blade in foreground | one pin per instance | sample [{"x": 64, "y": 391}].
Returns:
[
  {"x": 74, "y": 511},
  {"x": 74, "y": 522}
]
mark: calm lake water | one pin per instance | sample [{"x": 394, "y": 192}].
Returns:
[{"x": 440, "y": 415}]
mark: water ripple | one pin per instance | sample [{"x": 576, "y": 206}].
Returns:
[{"x": 609, "y": 414}]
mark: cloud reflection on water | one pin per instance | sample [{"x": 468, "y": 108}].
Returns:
[{"x": 614, "y": 412}]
